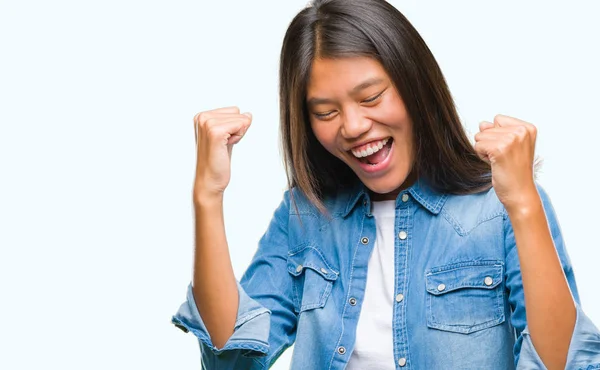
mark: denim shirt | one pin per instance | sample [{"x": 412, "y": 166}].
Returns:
[{"x": 459, "y": 300}]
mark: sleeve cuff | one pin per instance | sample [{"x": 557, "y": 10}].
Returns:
[
  {"x": 251, "y": 331},
  {"x": 584, "y": 350}
]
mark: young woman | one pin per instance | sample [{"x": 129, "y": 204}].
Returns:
[{"x": 399, "y": 245}]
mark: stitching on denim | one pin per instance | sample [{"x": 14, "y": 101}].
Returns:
[
  {"x": 306, "y": 245},
  {"x": 422, "y": 200},
  {"x": 299, "y": 247},
  {"x": 322, "y": 298},
  {"x": 459, "y": 265},
  {"x": 356, "y": 247},
  {"x": 458, "y": 226},
  {"x": 440, "y": 203},
  {"x": 499, "y": 316},
  {"x": 500, "y": 295},
  {"x": 456, "y": 287},
  {"x": 407, "y": 277},
  {"x": 455, "y": 225},
  {"x": 466, "y": 329},
  {"x": 245, "y": 344},
  {"x": 325, "y": 293},
  {"x": 250, "y": 315},
  {"x": 297, "y": 302}
]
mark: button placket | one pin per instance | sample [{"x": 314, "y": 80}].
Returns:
[{"x": 403, "y": 226}]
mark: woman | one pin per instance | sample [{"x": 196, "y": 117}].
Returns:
[{"x": 399, "y": 244}]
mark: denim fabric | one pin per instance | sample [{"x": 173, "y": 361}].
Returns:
[{"x": 456, "y": 265}]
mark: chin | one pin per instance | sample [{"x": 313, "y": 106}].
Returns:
[{"x": 383, "y": 187}]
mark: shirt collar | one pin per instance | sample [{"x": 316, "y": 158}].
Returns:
[{"x": 421, "y": 191}]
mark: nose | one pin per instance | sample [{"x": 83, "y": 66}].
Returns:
[{"x": 355, "y": 125}]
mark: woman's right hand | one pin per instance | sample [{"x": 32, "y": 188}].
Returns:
[{"x": 216, "y": 132}]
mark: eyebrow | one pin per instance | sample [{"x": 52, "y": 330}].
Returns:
[{"x": 363, "y": 85}]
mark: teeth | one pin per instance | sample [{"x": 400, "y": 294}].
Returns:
[{"x": 372, "y": 148}]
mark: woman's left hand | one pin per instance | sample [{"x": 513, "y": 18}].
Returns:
[{"x": 508, "y": 144}]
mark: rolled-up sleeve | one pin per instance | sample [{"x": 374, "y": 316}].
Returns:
[
  {"x": 266, "y": 321},
  {"x": 251, "y": 330},
  {"x": 584, "y": 350}
]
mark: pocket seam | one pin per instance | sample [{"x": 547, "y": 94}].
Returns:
[
  {"x": 459, "y": 328},
  {"x": 327, "y": 278}
]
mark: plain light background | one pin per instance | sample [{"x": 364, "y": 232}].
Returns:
[{"x": 97, "y": 152}]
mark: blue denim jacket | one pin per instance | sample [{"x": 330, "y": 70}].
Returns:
[{"x": 456, "y": 265}]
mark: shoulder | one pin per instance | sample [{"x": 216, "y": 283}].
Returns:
[
  {"x": 297, "y": 203},
  {"x": 467, "y": 211}
]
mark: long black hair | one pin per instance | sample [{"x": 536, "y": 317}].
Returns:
[{"x": 372, "y": 28}]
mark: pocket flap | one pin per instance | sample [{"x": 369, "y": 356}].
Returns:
[
  {"x": 310, "y": 257},
  {"x": 472, "y": 274}
]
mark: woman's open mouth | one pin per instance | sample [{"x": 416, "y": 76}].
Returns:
[{"x": 375, "y": 157}]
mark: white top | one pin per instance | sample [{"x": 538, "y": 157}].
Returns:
[{"x": 374, "y": 346}]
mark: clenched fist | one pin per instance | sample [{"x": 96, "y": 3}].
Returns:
[{"x": 216, "y": 132}]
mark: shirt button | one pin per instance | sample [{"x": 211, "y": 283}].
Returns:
[
  {"x": 299, "y": 268},
  {"x": 488, "y": 280},
  {"x": 323, "y": 270},
  {"x": 352, "y": 301},
  {"x": 441, "y": 287},
  {"x": 399, "y": 297},
  {"x": 364, "y": 240},
  {"x": 404, "y": 197},
  {"x": 402, "y": 235},
  {"x": 341, "y": 350},
  {"x": 402, "y": 361}
]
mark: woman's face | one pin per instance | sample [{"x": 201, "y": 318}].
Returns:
[{"x": 357, "y": 114}]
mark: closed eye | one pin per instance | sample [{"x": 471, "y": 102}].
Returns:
[
  {"x": 324, "y": 114},
  {"x": 370, "y": 100}
]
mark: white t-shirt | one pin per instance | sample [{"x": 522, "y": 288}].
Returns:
[{"x": 374, "y": 346}]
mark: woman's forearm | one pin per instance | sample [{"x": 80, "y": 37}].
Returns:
[
  {"x": 551, "y": 311},
  {"x": 214, "y": 284}
]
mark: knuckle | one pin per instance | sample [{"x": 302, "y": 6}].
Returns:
[
  {"x": 211, "y": 122},
  {"x": 214, "y": 130},
  {"x": 202, "y": 117},
  {"x": 533, "y": 129},
  {"x": 197, "y": 118}
]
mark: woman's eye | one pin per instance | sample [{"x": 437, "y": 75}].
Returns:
[
  {"x": 370, "y": 100},
  {"x": 324, "y": 115}
]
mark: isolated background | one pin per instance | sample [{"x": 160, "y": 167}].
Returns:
[{"x": 97, "y": 152}]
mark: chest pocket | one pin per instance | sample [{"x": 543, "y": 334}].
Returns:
[
  {"x": 313, "y": 278},
  {"x": 465, "y": 297}
]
